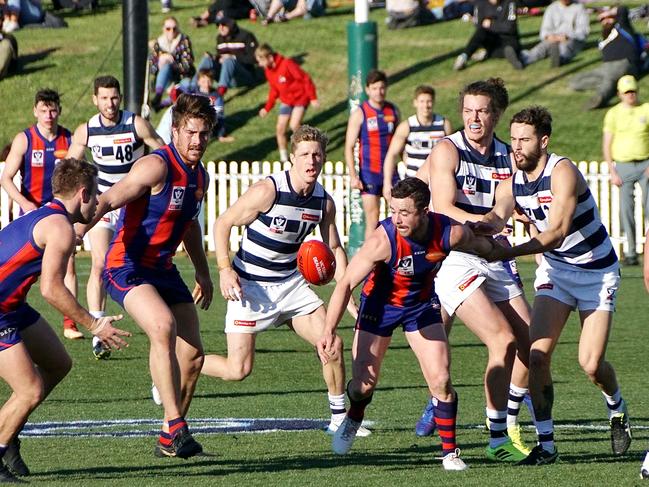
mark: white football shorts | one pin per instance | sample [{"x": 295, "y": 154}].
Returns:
[
  {"x": 580, "y": 289},
  {"x": 109, "y": 220},
  {"x": 461, "y": 274},
  {"x": 269, "y": 304}
]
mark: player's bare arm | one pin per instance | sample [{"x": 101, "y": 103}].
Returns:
[
  {"x": 565, "y": 189},
  {"x": 258, "y": 198},
  {"x": 443, "y": 162},
  {"x": 55, "y": 235},
  {"x": 148, "y": 134},
  {"x": 375, "y": 249},
  {"x": 77, "y": 149},
  {"x": 12, "y": 166},
  {"x": 448, "y": 129},
  {"x": 494, "y": 222},
  {"x": 351, "y": 136},
  {"x": 204, "y": 288},
  {"x": 393, "y": 156}
]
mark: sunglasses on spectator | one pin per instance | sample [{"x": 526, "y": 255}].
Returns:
[{"x": 170, "y": 27}]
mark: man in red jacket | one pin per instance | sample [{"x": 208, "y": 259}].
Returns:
[{"x": 294, "y": 88}]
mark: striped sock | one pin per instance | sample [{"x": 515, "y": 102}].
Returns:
[
  {"x": 545, "y": 432},
  {"x": 175, "y": 425},
  {"x": 614, "y": 403},
  {"x": 497, "y": 427},
  {"x": 445, "y": 419},
  {"x": 165, "y": 439},
  {"x": 337, "y": 404},
  {"x": 516, "y": 395}
]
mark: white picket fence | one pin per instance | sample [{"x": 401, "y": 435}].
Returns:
[{"x": 231, "y": 179}]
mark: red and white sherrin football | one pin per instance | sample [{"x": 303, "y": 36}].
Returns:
[{"x": 316, "y": 262}]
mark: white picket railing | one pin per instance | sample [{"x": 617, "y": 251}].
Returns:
[{"x": 231, "y": 179}]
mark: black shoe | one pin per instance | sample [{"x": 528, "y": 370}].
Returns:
[
  {"x": 644, "y": 474},
  {"x": 555, "y": 55},
  {"x": 13, "y": 460},
  {"x": 182, "y": 446},
  {"x": 539, "y": 456},
  {"x": 620, "y": 433},
  {"x": 6, "y": 477},
  {"x": 512, "y": 57}
]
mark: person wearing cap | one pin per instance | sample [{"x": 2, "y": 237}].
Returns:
[
  {"x": 234, "y": 62},
  {"x": 625, "y": 145}
]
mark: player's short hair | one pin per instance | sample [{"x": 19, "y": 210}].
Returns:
[
  {"x": 193, "y": 106},
  {"x": 374, "y": 76},
  {"x": 413, "y": 188},
  {"x": 425, "y": 90},
  {"x": 48, "y": 97},
  {"x": 493, "y": 88},
  {"x": 205, "y": 72},
  {"x": 106, "y": 81},
  {"x": 307, "y": 133},
  {"x": 71, "y": 174},
  {"x": 537, "y": 116},
  {"x": 264, "y": 50}
]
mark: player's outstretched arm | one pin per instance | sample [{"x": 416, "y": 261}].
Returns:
[
  {"x": 148, "y": 134},
  {"x": 55, "y": 235},
  {"x": 204, "y": 288},
  {"x": 494, "y": 222},
  {"x": 393, "y": 156},
  {"x": 375, "y": 249},
  {"x": 351, "y": 136},
  {"x": 259, "y": 197},
  {"x": 13, "y": 163},
  {"x": 77, "y": 149}
]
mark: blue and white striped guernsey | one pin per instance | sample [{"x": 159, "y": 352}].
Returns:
[
  {"x": 114, "y": 149},
  {"x": 587, "y": 245},
  {"x": 420, "y": 141},
  {"x": 477, "y": 175},
  {"x": 269, "y": 246}
]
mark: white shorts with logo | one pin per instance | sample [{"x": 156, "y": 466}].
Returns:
[
  {"x": 580, "y": 289},
  {"x": 109, "y": 220},
  {"x": 461, "y": 274},
  {"x": 265, "y": 304}
]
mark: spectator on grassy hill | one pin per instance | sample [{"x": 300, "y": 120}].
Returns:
[
  {"x": 8, "y": 53},
  {"x": 496, "y": 32},
  {"x": 621, "y": 51},
  {"x": 171, "y": 58},
  {"x": 21, "y": 13},
  {"x": 564, "y": 30},
  {"x": 233, "y": 9},
  {"x": 408, "y": 13},
  {"x": 234, "y": 62},
  {"x": 285, "y": 10},
  {"x": 294, "y": 88}
]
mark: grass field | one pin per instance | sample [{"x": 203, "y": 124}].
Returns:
[
  {"x": 69, "y": 59},
  {"x": 286, "y": 383}
]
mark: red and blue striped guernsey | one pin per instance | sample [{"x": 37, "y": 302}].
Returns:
[
  {"x": 20, "y": 257},
  {"x": 376, "y": 133},
  {"x": 151, "y": 227},
  {"x": 39, "y": 161},
  {"x": 408, "y": 278}
]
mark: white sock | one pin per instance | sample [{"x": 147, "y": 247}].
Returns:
[
  {"x": 96, "y": 314},
  {"x": 516, "y": 396},
  {"x": 545, "y": 432},
  {"x": 497, "y": 427},
  {"x": 283, "y": 155},
  {"x": 337, "y": 406},
  {"x": 614, "y": 403}
]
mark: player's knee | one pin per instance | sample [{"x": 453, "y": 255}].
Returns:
[
  {"x": 240, "y": 373},
  {"x": 440, "y": 383},
  {"x": 361, "y": 388},
  {"x": 196, "y": 364},
  {"x": 539, "y": 359},
  {"x": 161, "y": 332},
  {"x": 32, "y": 394},
  {"x": 590, "y": 365}
]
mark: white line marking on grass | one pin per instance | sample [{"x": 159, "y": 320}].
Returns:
[{"x": 143, "y": 427}]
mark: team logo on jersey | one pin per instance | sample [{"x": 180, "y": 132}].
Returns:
[
  {"x": 468, "y": 187},
  {"x": 177, "y": 196},
  {"x": 278, "y": 224},
  {"x": 500, "y": 176},
  {"x": 125, "y": 140},
  {"x": 544, "y": 199},
  {"x": 38, "y": 158},
  {"x": 96, "y": 151},
  {"x": 372, "y": 123},
  {"x": 60, "y": 154},
  {"x": 610, "y": 293},
  {"x": 406, "y": 266},
  {"x": 310, "y": 217},
  {"x": 417, "y": 144}
]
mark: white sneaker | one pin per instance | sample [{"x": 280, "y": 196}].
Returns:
[
  {"x": 155, "y": 395},
  {"x": 362, "y": 432},
  {"x": 460, "y": 62},
  {"x": 452, "y": 461},
  {"x": 344, "y": 436}
]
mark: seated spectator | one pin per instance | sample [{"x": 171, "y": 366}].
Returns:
[
  {"x": 234, "y": 9},
  {"x": 205, "y": 87},
  {"x": 454, "y": 9},
  {"x": 234, "y": 63},
  {"x": 564, "y": 30},
  {"x": 171, "y": 58},
  {"x": 294, "y": 88},
  {"x": 496, "y": 32},
  {"x": 22, "y": 13},
  {"x": 408, "y": 13},
  {"x": 621, "y": 51},
  {"x": 285, "y": 10},
  {"x": 8, "y": 54}
]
